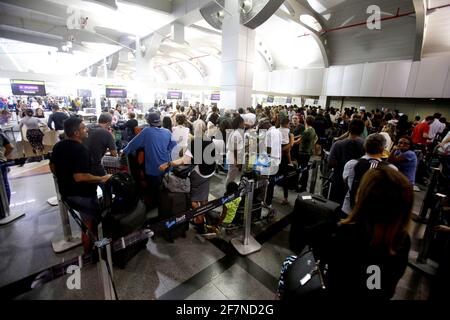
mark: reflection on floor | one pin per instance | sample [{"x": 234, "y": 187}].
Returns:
[{"x": 186, "y": 269}]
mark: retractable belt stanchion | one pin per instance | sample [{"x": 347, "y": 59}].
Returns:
[
  {"x": 247, "y": 244},
  {"x": 104, "y": 267},
  {"x": 69, "y": 241},
  {"x": 315, "y": 170},
  {"x": 428, "y": 201},
  {"x": 8, "y": 216},
  {"x": 421, "y": 263}
]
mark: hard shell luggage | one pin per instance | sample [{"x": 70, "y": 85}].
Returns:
[
  {"x": 313, "y": 220},
  {"x": 122, "y": 224},
  {"x": 170, "y": 204}
]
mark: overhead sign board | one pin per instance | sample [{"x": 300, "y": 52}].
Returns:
[
  {"x": 28, "y": 88},
  {"x": 116, "y": 92},
  {"x": 174, "y": 94}
]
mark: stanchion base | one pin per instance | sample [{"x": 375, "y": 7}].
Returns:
[
  {"x": 63, "y": 245},
  {"x": 11, "y": 218},
  {"x": 53, "y": 201},
  {"x": 244, "y": 250}
]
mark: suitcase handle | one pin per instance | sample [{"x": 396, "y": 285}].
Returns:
[{"x": 314, "y": 197}]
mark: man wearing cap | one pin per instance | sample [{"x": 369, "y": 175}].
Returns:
[{"x": 158, "y": 144}]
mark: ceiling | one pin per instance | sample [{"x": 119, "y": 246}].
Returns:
[{"x": 37, "y": 36}]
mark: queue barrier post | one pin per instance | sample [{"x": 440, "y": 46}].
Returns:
[
  {"x": 247, "y": 244},
  {"x": 69, "y": 241},
  {"x": 428, "y": 201},
  {"x": 422, "y": 263},
  {"x": 104, "y": 266},
  {"x": 8, "y": 216}
]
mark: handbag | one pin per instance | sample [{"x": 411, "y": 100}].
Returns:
[
  {"x": 174, "y": 183},
  {"x": 301, "y": 277},
  {"x": 184, "y": 171}
]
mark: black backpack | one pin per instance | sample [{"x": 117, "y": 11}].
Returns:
[
  {"x": 361, "y": 167},
  {"x": 120, "y": 193}
]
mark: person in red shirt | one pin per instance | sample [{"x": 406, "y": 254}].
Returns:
[{"x": 420, "y": 132}]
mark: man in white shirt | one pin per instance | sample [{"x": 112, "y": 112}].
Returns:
[
  {"x": 249, "y": 118},
  {"x": 273, "y": 144},
  {"x": 235, "y": 149},
  {"x": 436, "y": 127}
]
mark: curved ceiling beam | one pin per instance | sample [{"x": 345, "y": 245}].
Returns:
[
  {"x": 192, "y": 61},
  {"x": 306, "y": 6},
  {"x": 253, "y": 12},
  {"x": 259, "y": 11},
  {"x": 264, "y": 51},
  {"x": 420, "y": 6},
  {"x": 320, "y": 39}
]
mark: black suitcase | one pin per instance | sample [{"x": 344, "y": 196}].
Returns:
[
  {"x": 313, "y": 221},
  {"x": 116, "y": 226},
  {"x": 170, "y": 204}
]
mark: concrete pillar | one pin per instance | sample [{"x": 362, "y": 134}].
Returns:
[
  {"x": 238, "y": 51},
  {"x": 143, "y": 61}
]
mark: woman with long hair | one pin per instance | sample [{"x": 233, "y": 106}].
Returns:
[{"x": 368, "y": 254}]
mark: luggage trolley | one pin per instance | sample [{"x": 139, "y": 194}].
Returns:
[{"x": 115, "y": 164}]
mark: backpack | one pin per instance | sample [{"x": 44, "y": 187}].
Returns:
[
  {"x": 120, "y": 193},
  {"x": 361, "y": 167}
]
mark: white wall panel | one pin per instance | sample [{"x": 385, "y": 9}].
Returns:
[
  {"x": 412, "y": 79},
  {"x": 334, "y": 81},
  {"x": 446, "y": 93},
  {"x": 286, "y": 81},
  {"x": 298, "y": 85},
  {"x": 372, "y": 80},
  {"x": 261, "y": 81},
  {"x": 432, "y": 76},
  {"x": 324, "y": 82},
  {"x": 314, "y": 82},
  {"x": 396, "y": 79},
  {"x": 351, "y": 82}
]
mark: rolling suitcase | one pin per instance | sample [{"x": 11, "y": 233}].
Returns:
[
  {"x": 313, "y": 221},
  {"x": 119, "y": 225},
  {"x": 170, "y": 204}
]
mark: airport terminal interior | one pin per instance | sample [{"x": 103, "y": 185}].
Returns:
[{"x": 201, "y": 149}]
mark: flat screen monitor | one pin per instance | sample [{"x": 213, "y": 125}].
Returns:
[
  {"x": 28, "y": 88},
  {"x": 174, "y": 94},
  {"x": 270, "y": 98},
  {"x": 289, "y": 100},
  {"x": 215, "y": 96},
  {"x": 116, "y": 92},
  {"x": 85, "y": 93}
]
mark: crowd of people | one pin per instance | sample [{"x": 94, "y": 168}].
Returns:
[{"x": 272, "y": 141}]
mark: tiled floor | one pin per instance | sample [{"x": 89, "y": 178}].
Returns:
[{"x": 186, "y": 269}]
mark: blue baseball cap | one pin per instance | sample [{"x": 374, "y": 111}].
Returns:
[{"x": 153, "y": 119}]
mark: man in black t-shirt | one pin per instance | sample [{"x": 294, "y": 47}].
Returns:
[
  {"x": 342, "y": 152},
  {"x": 57, "y": 118},
  {"x": 70, "y": 164},
  {"x": 100, "y": 140}
]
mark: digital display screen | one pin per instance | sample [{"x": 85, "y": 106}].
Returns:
[
  {"x": 115, "y": 92},
  {"x": 28, "y": 87},
  {"x": 215, "y": 96},
  {"x": 270, "y": 98},
  {"x": 289, "y": 100},
  {"x": 174, "y": 94},
  {"x": 84, "y": 93}
]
